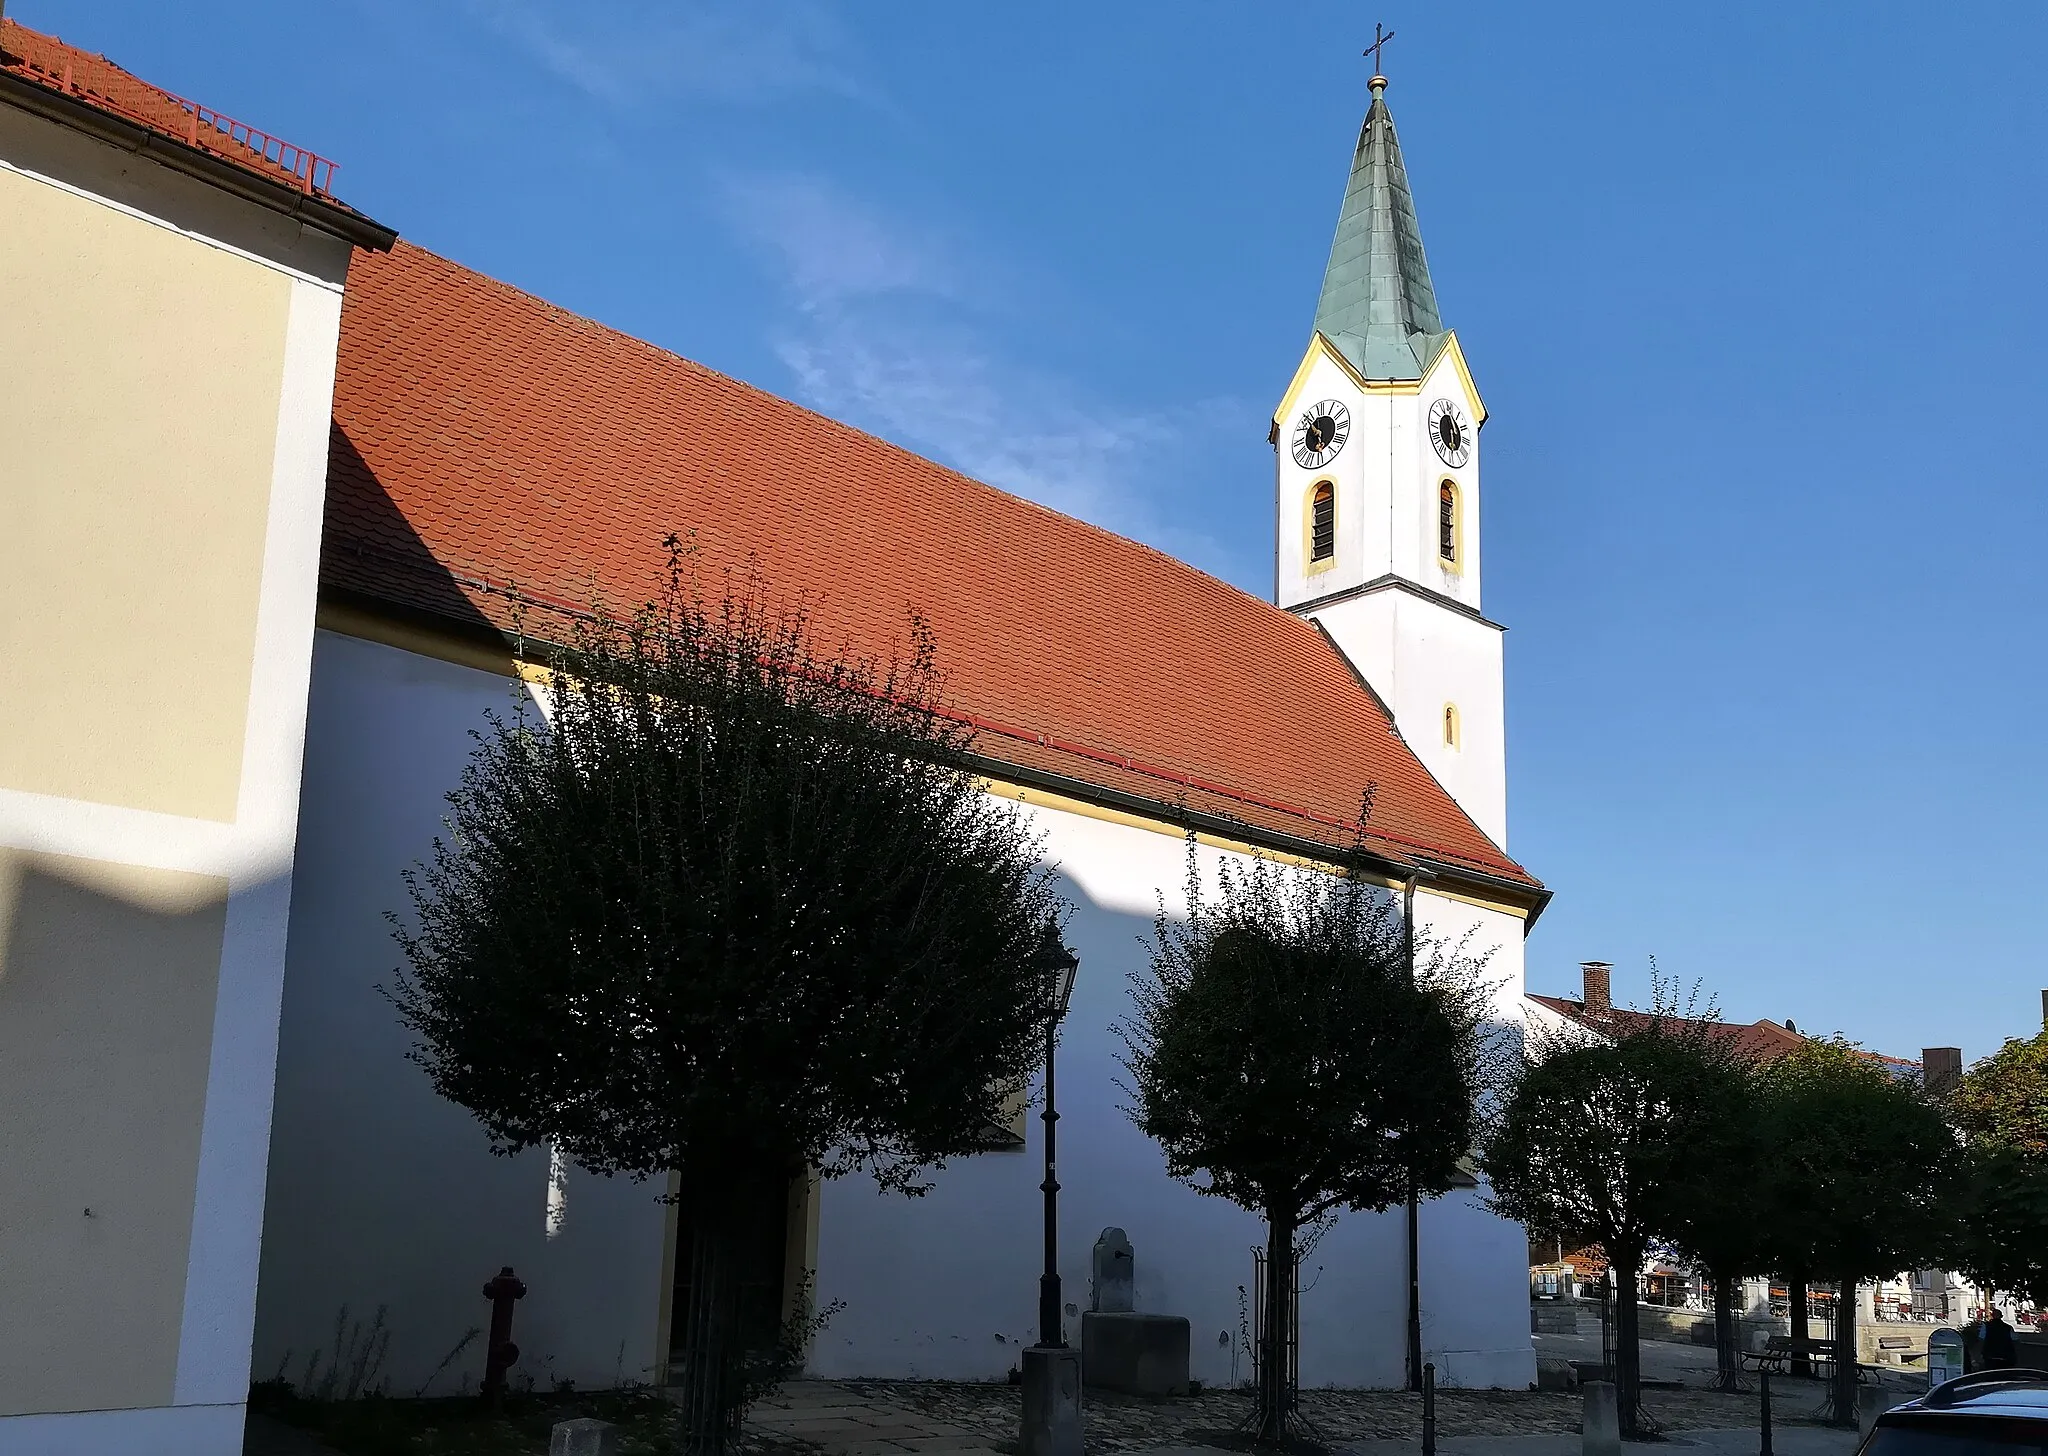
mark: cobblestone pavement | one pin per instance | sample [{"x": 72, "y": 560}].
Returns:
[{"x": 886, "y": 1418}]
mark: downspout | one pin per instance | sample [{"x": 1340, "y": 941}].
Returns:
[{"x": 1415, "y": 873}]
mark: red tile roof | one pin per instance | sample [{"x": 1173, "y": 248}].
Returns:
[
  {"x": 96, "y": 81},
  {"x": 484, "y": 437},
  {"x": 1764, "y": 1041}
]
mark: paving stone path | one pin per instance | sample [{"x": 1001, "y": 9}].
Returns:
[{"x": 887, "y": 1418}]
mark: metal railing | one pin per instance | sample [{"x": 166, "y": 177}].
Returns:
[
  {"x": 313, "y": 172},
  {"x": 206, "y": 129}
]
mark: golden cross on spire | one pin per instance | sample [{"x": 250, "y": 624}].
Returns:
[{"x": 1380, "y": 36}]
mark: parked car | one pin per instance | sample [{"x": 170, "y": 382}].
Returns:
[{"x": 1989, "y": 1413}]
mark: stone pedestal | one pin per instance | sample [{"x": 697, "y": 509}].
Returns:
[
  {"x": 583, "y": 1438},
  {"x": 1872, "y": 1401},
  {"x": 1052, "y": 1401},
  {"x": 1601, "y": 1423},
  {"x": 1137, "y": 1354}
]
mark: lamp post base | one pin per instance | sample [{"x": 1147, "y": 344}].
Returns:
[{"x": 1052, "y": 1401}]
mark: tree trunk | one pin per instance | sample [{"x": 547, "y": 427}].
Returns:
[
  {"x": 1274, "y": 1396},
  {"x": 1726, "y": 1347},
  {"x": 1796, "y": 1299},
  {"x": 1845, "y": 1353},
  {"x": 1628, "y": 1353},
  {"x": 713, "y": 1356}
]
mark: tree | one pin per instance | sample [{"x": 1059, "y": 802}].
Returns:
[
  {"x": 2001, "y": 1107},
  {"x": 733, "y": 910},
  {"x": 1604, "y": 1141},
  {"x": 1863, "y": 1178},
  {"x": 1286, "y": 1058},
  {"x": 1720, "y": 1213}
]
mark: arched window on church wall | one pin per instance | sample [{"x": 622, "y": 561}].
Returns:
[
  {"x": 1447, "y": 522},
  {"x": 1452, "y": 733},
  {"x": 1322, "y": 523}
]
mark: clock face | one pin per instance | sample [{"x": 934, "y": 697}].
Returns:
[
  {"x": 1450, "y": 432},
  {"x": 1320, "y": 433}
]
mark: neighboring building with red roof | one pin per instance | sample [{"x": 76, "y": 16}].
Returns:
[
  {"x": 1594, "y": 1012},
  {"x": 461, "y": 454}
]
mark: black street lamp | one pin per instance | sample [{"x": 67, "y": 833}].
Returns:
[
  {"x": 1060, "y": 967},
  {"x": 1051, "y": 1371}
]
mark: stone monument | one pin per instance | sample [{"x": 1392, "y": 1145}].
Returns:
[
  {"x": 1114, "y": 1289},
  {"x": 1122, "y": 1350}
]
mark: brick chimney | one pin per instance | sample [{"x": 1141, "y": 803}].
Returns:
[
  {"x": 1598, "y": 987},
  {"x": 1941, "y": 1068}
]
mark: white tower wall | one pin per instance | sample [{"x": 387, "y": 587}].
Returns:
[{"x": 1407, "y": 617}]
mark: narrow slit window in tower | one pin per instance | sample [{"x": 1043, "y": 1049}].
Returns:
[
  {"x": 1322, "y": 532},
  {"x": 1447, "y": 521}
]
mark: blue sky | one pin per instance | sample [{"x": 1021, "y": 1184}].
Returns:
[{"x": 1754, "y": 294}]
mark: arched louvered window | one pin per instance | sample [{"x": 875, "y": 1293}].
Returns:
[
  {"x": 1322, "y": 523},
  {"x": 1447, "y": 521}
]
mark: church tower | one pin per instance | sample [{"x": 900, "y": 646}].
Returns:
[{"x": 1377, "y": 461}]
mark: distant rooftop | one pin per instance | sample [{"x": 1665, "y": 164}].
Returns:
[{"x": 1764, "y": 1040}]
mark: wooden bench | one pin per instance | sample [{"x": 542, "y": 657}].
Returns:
[
  {"x": 1778, "y": 1352},
  {"x": 1776, "y": 1355}
]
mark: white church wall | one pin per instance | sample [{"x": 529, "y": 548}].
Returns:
[
  {"x": 945, "y": 1286},
  {"x": 383, "y": 1195}
]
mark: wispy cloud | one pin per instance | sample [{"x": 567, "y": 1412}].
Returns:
[
  {"x": 633, "y": 53},
  {"x": 882, "y": 333},
  {"x": 830, "y": 250}
]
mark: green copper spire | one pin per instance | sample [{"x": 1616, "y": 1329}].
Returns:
[{"x": 1378, "y": 307}]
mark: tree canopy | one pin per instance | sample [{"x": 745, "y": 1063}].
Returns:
[
  {"x": 2003, "y": 1100},
  {"x": 1863, "y": 1164},
  {"x": 2001, "y": 1232}
]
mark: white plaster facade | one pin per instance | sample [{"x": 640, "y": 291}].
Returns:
[{"x": 382, "y": 1195}]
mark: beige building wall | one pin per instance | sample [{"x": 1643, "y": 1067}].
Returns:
[
  {"x": 107, "y": 983},
  {"x": 139, "y": 393},
  {"x": 167, "y": 357}
]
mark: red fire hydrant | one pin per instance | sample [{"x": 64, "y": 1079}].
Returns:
[{"x": 501, "y": 1354}]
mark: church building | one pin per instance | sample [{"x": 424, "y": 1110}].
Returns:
[{"x": 379, "y": 473}]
